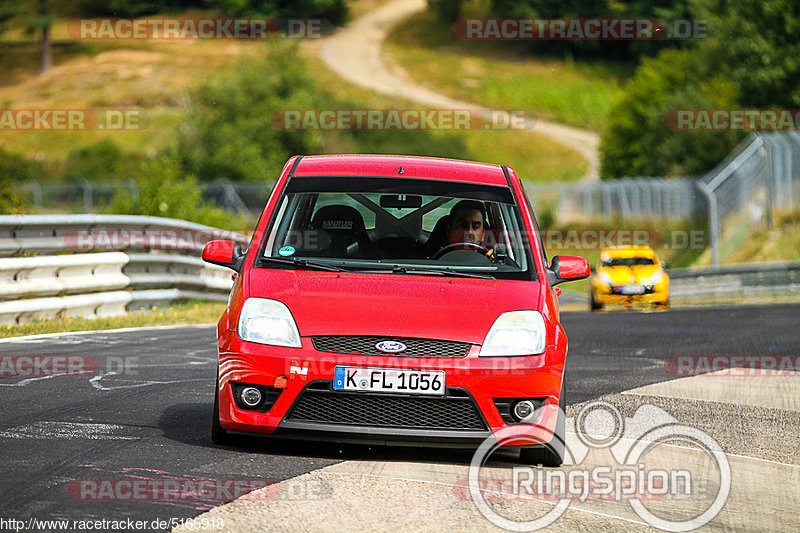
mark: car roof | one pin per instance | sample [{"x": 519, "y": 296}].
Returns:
[
  {"x": 629, "y": 251},
  {"x": 412, "y": 167}
]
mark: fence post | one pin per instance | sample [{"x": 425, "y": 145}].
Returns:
[
  {"x": 87, "y": 195},
  {"x": 770, "y": 180},
  {"x": 713, "y": 220}
]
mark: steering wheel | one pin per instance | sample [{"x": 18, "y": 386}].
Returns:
[{"x": 460, "y": 246}]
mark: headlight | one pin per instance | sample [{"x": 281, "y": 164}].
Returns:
[
  {"x": 515, "y": 333},
  {"x": 268, "y": 322},
  {"x": 604, "y": 277},
  {"x": 655, "y": 279}
]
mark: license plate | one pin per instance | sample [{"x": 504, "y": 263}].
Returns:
[
  {"x": 350, "y": 378},
  {"x": 632, "y": 289}
]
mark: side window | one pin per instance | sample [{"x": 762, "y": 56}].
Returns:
[{"x": 535, "y": 224}]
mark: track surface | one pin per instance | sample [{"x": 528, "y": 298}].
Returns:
[{"x": 152, "y": 423}]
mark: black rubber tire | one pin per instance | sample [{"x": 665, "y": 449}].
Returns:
[
  {"x": 595, "y": 305},
  {"x": 218, "y": 433},
  {"x": 551, "y": 454}
]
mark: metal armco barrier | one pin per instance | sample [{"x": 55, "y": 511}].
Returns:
[
  {"x": 136, "y": 261},
  {"x": 736, "y": 283}
]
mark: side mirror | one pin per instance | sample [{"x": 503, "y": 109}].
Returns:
[
  {"x": 567, "y": 268},
  {"x": 664, "y": 265},
  {"x": 224, "y": 253}
]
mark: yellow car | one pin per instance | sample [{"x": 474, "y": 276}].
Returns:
[{"x": 630, "y": 274}]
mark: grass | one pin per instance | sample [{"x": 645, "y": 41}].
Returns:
[
  {"x": 158, "y": 76},
  {"x": 503, "y": 75},
  {"x": 535, "y": 157},
  {"x": 185, "y": 313},
  {"x": 741, "y": 243},
  {"x": 153, "y": 76}
]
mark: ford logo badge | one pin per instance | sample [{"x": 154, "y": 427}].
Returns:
[{"x": 390, "y": 346}]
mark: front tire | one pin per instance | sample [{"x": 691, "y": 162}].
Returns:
[
  {"x": 552, "y": 453},
  {"x": 594, "y": 303}
]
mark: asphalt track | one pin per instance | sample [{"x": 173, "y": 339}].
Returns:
[{"x": 150, "y": 421}]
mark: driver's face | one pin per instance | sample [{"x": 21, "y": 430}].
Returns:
[{"x": 467, "y": 226}]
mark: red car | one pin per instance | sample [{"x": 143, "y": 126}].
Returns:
[{"x": 394, "y": 299}]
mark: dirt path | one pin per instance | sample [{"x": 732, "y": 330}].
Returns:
[{"x": 354, "y": 53}]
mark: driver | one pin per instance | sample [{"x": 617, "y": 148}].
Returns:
[{"x": 468, "y": 224}]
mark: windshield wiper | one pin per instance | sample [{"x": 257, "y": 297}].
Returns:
[
  {"x": 437, "y": 272},
  {"x": 304, "y": 263}
]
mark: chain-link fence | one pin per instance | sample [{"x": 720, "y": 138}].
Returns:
[
  {"x": 89, "y": 196},
  {"x": 761, "y": 176},
  {"x": 641, "y": 197}
]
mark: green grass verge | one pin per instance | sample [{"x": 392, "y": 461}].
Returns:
[
  {"x": 503, "y": 75},
  {"x": 186, "y": 313}
]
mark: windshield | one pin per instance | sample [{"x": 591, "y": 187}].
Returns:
[
  {"x": 402, "y": 226},
  {"x": 628, "y": 261}
]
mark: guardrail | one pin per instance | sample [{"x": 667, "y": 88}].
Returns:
[
  {"x": 736, "y": 284},
  {"x": 135, "y": 261}
]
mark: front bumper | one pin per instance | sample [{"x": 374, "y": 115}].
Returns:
[
  {"x": 482, "y": 382},
  {"x": 605, "y": 294}
]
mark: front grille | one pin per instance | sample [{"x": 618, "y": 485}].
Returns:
[
  {"x": 366, "y": 345},
  {"x": 454, "y": 411}
]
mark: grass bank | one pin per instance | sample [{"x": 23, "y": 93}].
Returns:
[
  {"x": 186, "y": 313},
  {"x": 503, "y": 75}
]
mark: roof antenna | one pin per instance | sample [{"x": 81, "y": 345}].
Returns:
[{"x": 401, "y": 171}]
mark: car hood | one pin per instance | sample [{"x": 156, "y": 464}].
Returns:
[
  {"x": 621, "y": 275},
  {"x": 398, "y": 305}
]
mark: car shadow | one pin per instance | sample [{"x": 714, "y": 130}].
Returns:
[{"x": 190, "y": 424}]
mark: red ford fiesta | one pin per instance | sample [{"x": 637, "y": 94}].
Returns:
[{"x": 394, "y": 299}]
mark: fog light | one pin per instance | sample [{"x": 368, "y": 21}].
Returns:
[
  {"x": 251, "y": 396},
  {"x": 523, "y": 409}
]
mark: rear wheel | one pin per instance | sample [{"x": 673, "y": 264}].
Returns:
[
  {"x": 552, "y": 453},
  {"x": 218, "y": 434}
]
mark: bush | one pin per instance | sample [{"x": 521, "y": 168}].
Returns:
[
  {"x": 15, "y": 170},
  {"x": 638, "y": 143},
  {"x": 228, "y": 134},
  {"x": 164, "y": 191},
  {"x": 103, "y": 161}
]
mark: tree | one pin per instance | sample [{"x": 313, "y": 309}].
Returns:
[
  {"x": 638, "y": 143},
  {"x": 228, "y": 133}
]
